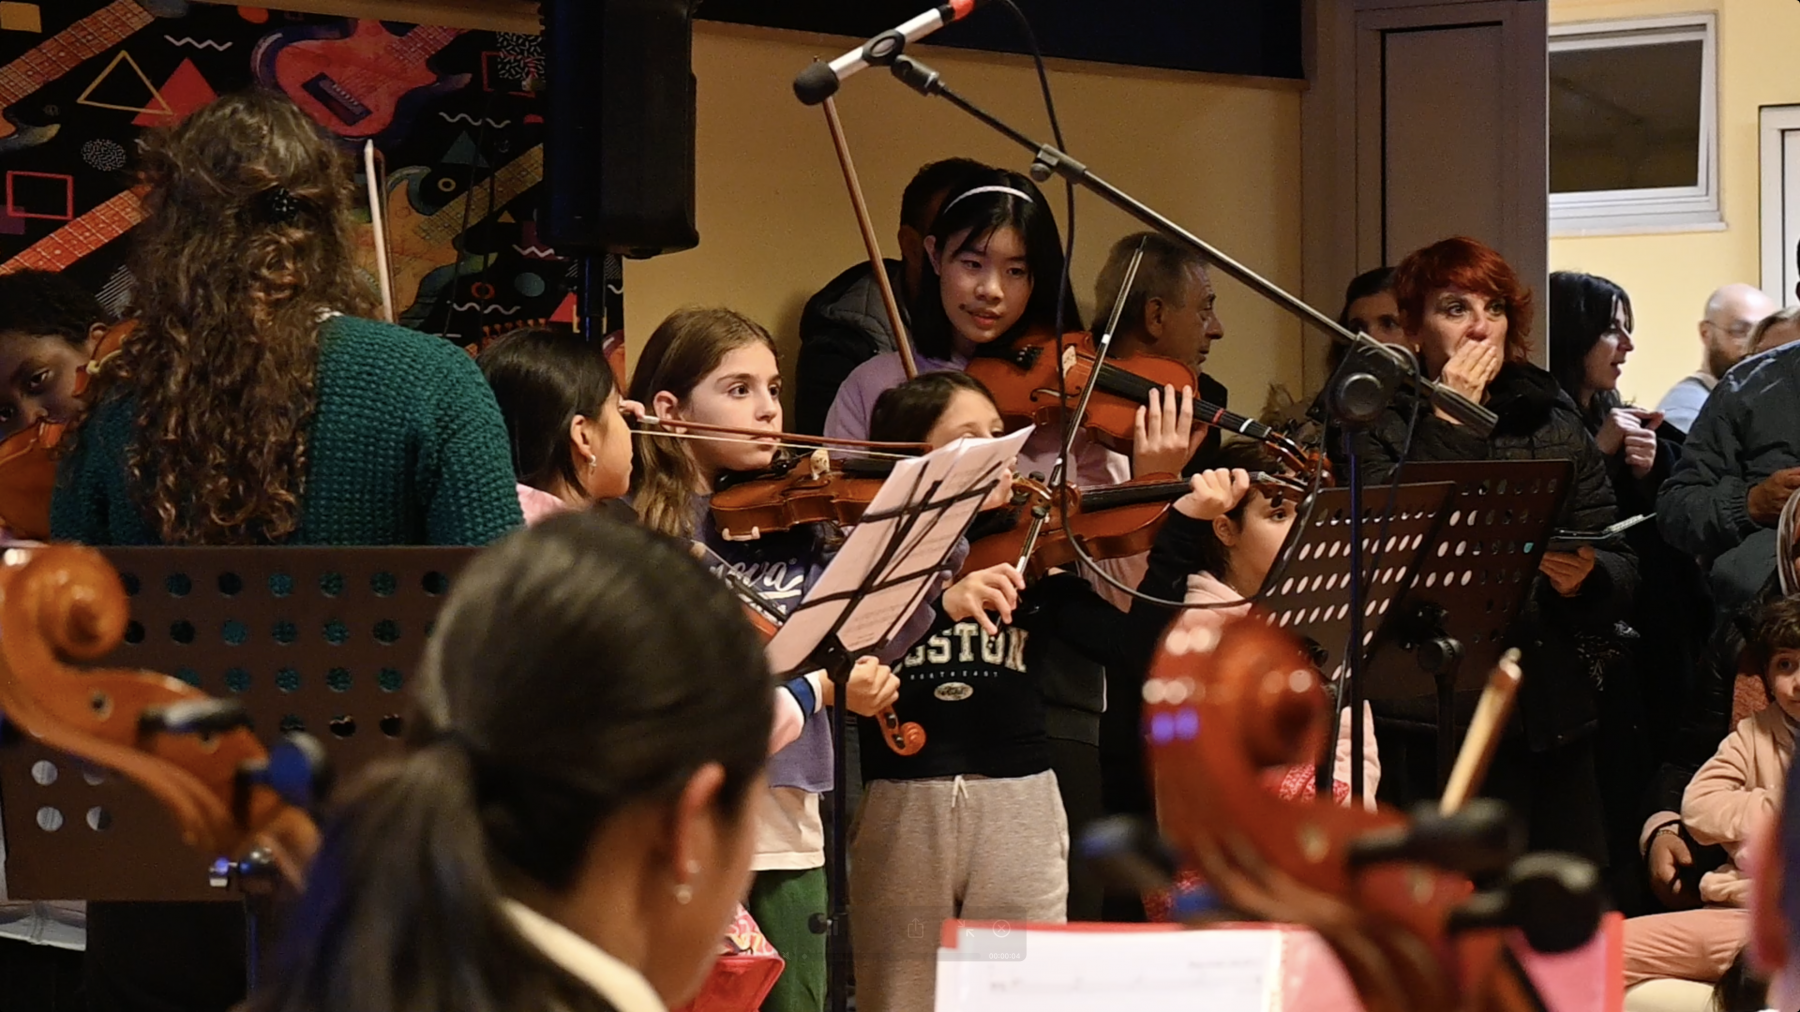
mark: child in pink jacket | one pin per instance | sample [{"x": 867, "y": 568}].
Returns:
[{"x": 1738, "y": 789}]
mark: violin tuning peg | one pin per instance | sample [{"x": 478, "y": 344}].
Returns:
[
  {"x": 297, "y": 769},
  {"x": 1481, "y": 838},
  {"x": 1555, "y": 899},
  {"x": 194, "y": 716}
]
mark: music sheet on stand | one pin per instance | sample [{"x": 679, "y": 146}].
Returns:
[
  {"x": 934, "y": 481},
  {"x": 991, "y": 968}
]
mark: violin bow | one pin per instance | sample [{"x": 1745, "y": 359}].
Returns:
[
  {"x": 652, "y": 425},
  {"x": 1479, "y": 745},
  {"x": 378, "y": 219},
  {"x": 870, "y": 242},
  {"x": 1041, "y": 513}
]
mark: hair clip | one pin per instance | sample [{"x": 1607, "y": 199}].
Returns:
[{"x": 279, "y": 204}]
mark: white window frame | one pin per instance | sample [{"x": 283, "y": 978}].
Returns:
[{"x": 1659, "y": 209}]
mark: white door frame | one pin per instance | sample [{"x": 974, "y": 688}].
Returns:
[{"x": 1774, "y": 123}]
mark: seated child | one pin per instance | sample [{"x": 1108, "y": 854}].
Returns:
[{"x": 1738, "y": 789}]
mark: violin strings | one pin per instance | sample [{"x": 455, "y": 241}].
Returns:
[{"x": 807, "y": 447}]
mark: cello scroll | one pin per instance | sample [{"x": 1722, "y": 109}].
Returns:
[{"x": 193, "y": 754}]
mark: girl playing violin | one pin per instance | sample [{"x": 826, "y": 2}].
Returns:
[
  {"x": 573, "y": 825},
  {"x": 997, "y": 255},
  {"x": 718, "y": 367},
  {"x": 974, "y": 825},
  {"x": 571, "y": 446},
  {"x": 50, "y": 328},
  {"x": 1217, "y": 547}
]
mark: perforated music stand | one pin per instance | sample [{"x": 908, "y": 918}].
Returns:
[
  {"x": 317, "y": 639},
  {"x": 1449, "y": 627},
  {"x": 1311, "y": 597}
]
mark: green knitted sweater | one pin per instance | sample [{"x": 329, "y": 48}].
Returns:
[{"x": 407, "y": 448}]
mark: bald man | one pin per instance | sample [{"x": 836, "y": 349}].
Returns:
[{"x": 1731, "y": 314}]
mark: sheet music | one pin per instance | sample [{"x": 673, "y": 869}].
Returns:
[
  {"x": 1109, "y": 971},
  {"x": 887, "y": 548}
]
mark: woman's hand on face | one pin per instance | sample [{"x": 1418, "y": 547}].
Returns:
[
  {"x": 1472, "y": 367},
  {"x": 1214, "y": 493},
  {"x": 1567, "y": 571},
  {"x": 1166, "y": 436},
  {"x": 995, "y": 589}
]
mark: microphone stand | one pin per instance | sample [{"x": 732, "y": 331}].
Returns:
[{"x": 1361, "y": 388}]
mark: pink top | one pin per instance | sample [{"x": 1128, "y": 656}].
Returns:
[{"x": 538, "y": 505}]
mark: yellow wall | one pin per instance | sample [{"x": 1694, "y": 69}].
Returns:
[
  {"x": 1220, "y": 155},
  {"x": 1669, "y": 276}
]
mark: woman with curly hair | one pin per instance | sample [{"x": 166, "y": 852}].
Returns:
[{"x": 254, "y": 406}]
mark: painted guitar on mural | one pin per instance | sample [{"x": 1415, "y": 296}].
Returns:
[
  {"x": 355, "y": 85},
  {"x": 63, "y": 52},
  {"x": 419, "y": 238}
]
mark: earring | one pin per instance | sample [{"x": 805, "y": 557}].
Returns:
[
  {"x": 684, "y": 893},
  {"x": 593, "y": 462}
]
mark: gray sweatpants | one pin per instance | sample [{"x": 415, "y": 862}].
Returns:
[{"x": 925, "y": 851}]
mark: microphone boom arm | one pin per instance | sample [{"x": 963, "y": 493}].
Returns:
[{"x": 1051, "y": 161}]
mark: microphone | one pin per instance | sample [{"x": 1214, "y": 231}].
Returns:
[{"x": 821, "y": 80}]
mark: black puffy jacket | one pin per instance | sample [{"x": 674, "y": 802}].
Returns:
[{"x": 1537, "y": 421}]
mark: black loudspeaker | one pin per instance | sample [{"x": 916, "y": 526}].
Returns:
[{"x": 619, "y": 152}]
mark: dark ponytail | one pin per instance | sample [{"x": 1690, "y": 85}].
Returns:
[{"x": 578, "y": 667}]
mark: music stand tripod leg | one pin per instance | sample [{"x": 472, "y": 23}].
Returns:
[{"x": 835, "y": 925}]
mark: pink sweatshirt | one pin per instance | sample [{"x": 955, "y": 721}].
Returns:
[
  {"x": 1205, "y": 588},
  {"x": 1738, "y": 788}
]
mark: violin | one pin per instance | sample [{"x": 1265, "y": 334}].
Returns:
[
  {"x": 1393, "y": 899},
  {"x": 903, "y": 739},
  {"x": 801, "y": 490},
  {"x": 1023, "y": 377},
  {"x": 1106, "y": 521},
  {"x": 194, "y": 754},
  {"x": 28, "y": 458}
]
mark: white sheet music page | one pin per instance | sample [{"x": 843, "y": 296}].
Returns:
[
  {"x": 994, "y": 968},
  {"x": 883, "y": 549}
]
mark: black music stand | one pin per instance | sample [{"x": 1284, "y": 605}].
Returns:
[
  {"x": 1450, "y": 625},
  {"x": 323, "y": 640},
  {"x": 1311, "y": 599},
  {"x": 885, "y": 570}
]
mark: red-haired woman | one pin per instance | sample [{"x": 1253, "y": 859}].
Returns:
[{"x": 1469, "y": 318}]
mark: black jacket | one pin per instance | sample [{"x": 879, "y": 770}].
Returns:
[
  {"x": 842, "y": 326},
  {"x": 1559, "y": 637},
  {"x": 1747, "y": 430}
]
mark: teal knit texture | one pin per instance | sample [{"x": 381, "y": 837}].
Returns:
[{"x": 407, "y": 448}]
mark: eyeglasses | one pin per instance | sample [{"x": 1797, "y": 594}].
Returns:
[{"x": 1739, "y": 330}]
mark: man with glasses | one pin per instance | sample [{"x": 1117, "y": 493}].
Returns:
[{"x": 1731, "y": 314}]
